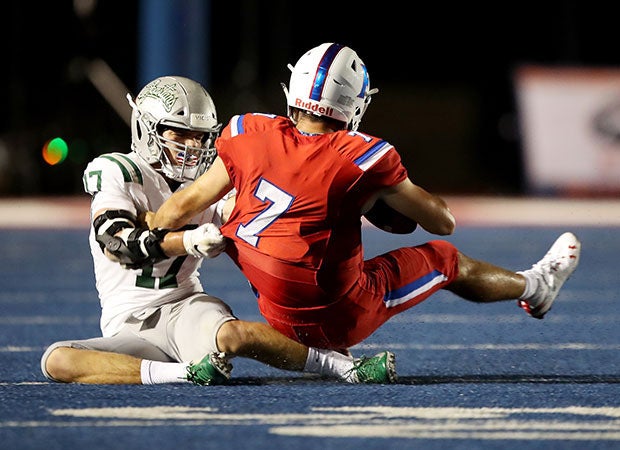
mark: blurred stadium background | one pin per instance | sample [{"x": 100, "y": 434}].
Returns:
[{"x": 449, "y": 78}]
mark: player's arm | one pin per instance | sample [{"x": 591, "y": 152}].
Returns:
[
  {"x": 122, "y": 239},
  {"x": 430, "y": 211},
  {"x": 127, "y": 240},
  {"x": 203, "y": 241},
  {"x": 198, "y": 196}
]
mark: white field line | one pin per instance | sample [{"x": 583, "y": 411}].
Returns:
[{"x": 73, "y": 212}]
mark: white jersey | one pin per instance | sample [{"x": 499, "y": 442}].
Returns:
[{"x": 122, "y": 181}]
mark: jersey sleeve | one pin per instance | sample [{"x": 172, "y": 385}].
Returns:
[
  {"x": 245, "y": 126},
  {"x": 247, "y": 123},
  {"x": 388, "y": 170},
  {"x": 105, "y": 178},
  {"x": 231, "y": 129},
  {"x": 378, "y": 160}
]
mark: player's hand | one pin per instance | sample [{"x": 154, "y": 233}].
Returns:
[
  {"x": 204, "y": 241},
  {"x": 147, "y": 218}
]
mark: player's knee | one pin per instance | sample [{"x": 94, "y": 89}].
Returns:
[
  {"x": 235, "y": 337},
  {"x": 57, "y": 365},
  {"x": 466, "y": 265},
  {"x": 464, "y": 273}
]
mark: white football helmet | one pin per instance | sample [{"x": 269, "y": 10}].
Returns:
[
  {"x": 330, "y": 80},
  {"x": 175, "y": 102}
]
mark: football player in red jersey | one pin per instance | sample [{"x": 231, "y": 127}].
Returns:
[{"x": 303, "y": 183}]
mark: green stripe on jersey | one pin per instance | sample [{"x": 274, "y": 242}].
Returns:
[{"x": 131, "y": 172}]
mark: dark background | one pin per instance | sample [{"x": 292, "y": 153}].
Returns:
[{"x": 444, "y": 71}]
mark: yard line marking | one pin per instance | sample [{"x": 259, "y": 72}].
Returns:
[
  {"x": 471, "y": 318},
  {"x": 568, "y": 346},
  {"x": 490, "y": 346},
  {"x": 574, "y": 423},
  {"x": 47, "y": 320}
]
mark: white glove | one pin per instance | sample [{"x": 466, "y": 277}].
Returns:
[{"x": 204, "y": 241}]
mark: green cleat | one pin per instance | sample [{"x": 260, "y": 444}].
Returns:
[
  {"x": 212, "y": 369},
  {"x": 379, "y": 369}
]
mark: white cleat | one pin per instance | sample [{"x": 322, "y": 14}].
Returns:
[{"x": 552, "y": 272}]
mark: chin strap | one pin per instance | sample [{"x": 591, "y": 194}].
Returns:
[{"x": 288, "y": 108}]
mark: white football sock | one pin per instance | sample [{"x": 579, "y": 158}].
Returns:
[
  {"x": 531, "y": 284},
  {"x": 157, "y": 372},
  {"x": 329, "y": 363}
]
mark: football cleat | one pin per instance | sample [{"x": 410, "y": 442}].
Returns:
[
  {"x": 380, "y": 369},
  {"x": 213, "y": 369},
  {"x": 552, "y": 271}
]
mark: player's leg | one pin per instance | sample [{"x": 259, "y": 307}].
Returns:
[
  {"x": 205, "y": 324},
  {"x": 261, "y": 342},
  {"x": 110, "y": 360},
  {"x": 210, "y": 318},
  {"x": 482, "y": 282},
  {"x": 536, "y": 288},
  {"x": 74, "y": 365}
]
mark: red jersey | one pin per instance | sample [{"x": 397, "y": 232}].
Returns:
[
  {"x": 297, "y": 217},
  {"x": 296, "y": 231}
]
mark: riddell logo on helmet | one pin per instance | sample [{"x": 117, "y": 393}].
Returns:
[{"x": 314, "y": 107}]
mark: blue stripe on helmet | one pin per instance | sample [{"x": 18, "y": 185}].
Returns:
[
  {"x": 365, "y": 83},
  {"x": 322, "y": 70}
]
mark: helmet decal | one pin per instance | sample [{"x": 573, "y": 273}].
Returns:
[
  {"x": 166, "y": 94},
  {"x": 322, "y": 71}
]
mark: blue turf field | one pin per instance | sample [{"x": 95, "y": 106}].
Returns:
[{"x": 471, "y": 376}]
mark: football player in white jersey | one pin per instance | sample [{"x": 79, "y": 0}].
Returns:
[{"x": 158, "y": 325}]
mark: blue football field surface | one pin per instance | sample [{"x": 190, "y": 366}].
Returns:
[{"x": 471, "y": 376}]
